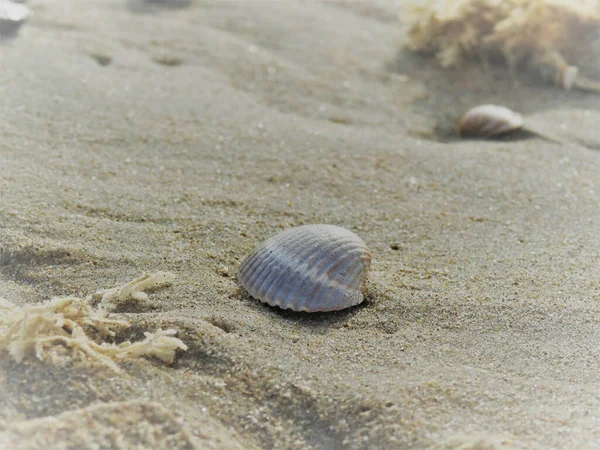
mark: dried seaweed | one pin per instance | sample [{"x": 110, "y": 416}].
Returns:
[
  {"x": 535, "y": 33},
  {"x": 69, "y": 328},
  {"x": 136, "y": 289}
]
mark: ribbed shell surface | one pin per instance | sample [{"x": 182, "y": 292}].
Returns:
[{"x": 308, "y": 268}]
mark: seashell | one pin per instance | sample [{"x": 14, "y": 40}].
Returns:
[
  {"x": 552, "y": 67},
  {"x": 488, "y": 121},
  {"x": 12, "y": 16},
  {"x": 567, "y": 76},
  {"x": 308, "y": 268}
]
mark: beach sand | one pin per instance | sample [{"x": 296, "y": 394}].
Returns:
[{"x": 141, "y": 137}]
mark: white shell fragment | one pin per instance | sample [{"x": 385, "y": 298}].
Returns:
[
  {"x": 12, "y": 16},
  {"x": 489, "y": 120},
  {"x": 308, "y": 268},
  {"x": 567, "y": 77},
  {"x": 554, "y": 68}
]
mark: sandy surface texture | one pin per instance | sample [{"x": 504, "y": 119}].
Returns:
[{"x": 176, "y": 136}]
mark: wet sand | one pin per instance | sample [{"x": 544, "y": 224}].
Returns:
[{"x": 175, "y": 137}]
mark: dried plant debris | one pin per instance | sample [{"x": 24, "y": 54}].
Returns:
[
  {"x": 134, "y": 290},
  {"x": 538, "y": 34},
  {"x": 69, "y": 328}
]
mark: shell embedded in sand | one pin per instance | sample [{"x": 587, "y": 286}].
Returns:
[
  {"x": 12, "y": 16},
  {"x": 488, "y": 121},
  {"x": 552, "y": 67},
  {"x": 308, "y": 268}
]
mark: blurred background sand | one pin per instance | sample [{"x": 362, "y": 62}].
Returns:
[{"x": 138, "y": 137}]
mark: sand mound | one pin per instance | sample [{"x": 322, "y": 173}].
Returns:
[{"x": 118, "y": 425}]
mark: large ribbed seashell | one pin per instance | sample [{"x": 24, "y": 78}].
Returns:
[
  {"x": 308, "y": 268},
  {"x": 488, "y": 121}
]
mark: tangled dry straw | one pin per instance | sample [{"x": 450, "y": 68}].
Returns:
[
  {"x": 539, "y": 33},
  {"x": 70, "y": 328}
]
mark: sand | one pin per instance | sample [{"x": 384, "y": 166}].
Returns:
[{"x": 176, "y": 136}]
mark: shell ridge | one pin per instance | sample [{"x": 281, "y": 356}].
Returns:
[
  {"x": 252, "y": 262},
  {"x": 292, "y": 289},
  {"x": 318, "y": 275},
  {"x": 314, "y": 262},
  {"x": 319, "y": 269},
  {"x": 260, "y": 254},
  {"x": 247, "y": 268},
  {"x": 313, "y": 274},
  {"x": 250, "y": 271},
  {"x": 297, "y": 290},
  {"x": 280, "y": 256},
  {"x": 339, "y": 281},
  {"x": 288, "y": 261},
  {"x": 263, "y": 274},
  {"x": 354, "y": 279},
  {"x": 283, "y": 279},
  {"x": 348, "y": 277}
]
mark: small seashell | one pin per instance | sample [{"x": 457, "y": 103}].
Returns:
[
  {"x": 567, "y": 77},
  {"x": 12, "y": 16},
  {"x": 552, "y": 67},
  {"x": 308, "y": 268},
  {"x": 488, "y": 121}
]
